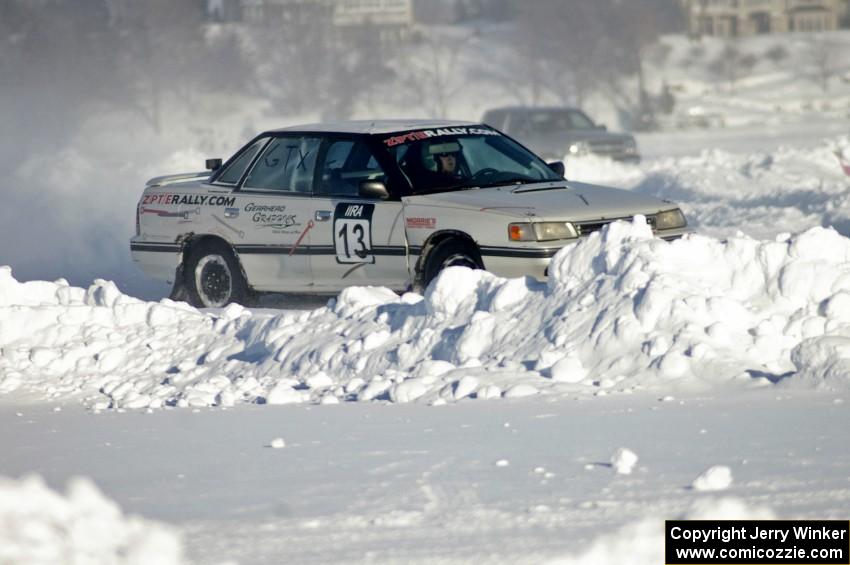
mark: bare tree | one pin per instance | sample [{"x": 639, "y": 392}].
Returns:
[
  {"x": 430, "y": 76},
  {"x": 577, "y": 48},
  {"x": 57, "y": 66},
  {"x": 560, "y": 52},
  {"x": 731, "y": 64},
  {"x": 309, "y": 63},
  {"x": 824, "y": 66},
  {"x": 163, "y": 44}
]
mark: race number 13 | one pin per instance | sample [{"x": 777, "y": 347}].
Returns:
[{"x": 353, "y": 233}]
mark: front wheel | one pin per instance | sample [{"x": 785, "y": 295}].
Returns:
[
  {"x": 213, "y": 277},
  {"x": 450, "y": 253}
]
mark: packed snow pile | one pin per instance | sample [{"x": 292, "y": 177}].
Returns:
[
  {"x": 40, "y": 526},
  {"x": 622, "y": 311},
  {"x": 642, "y": 542},
  {"x": 715, "y": 478},
  {"x": 760, "y": 194}
]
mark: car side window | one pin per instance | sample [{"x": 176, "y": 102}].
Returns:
[
  {"x": 579, "y": 120},
  {"x": 286, "y": 165},
  {"x": 346, "y": 164},
  {"x": 521, "y": 124},
  {"x": 236, "y": 169}
]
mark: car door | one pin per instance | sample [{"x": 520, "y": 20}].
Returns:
[
  {"x": 355, "y": 240},
  {"x": 272, "y": 214}
]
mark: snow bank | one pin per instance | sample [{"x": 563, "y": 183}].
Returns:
[
  {"x": 621, "y": 312},
  {"x": 760, "y": 194},
  {"x": 40, "y": 526},
  {"x": 642, "y": 542}
]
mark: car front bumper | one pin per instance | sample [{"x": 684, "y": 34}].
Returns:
[{"x": 512, "y": 262}]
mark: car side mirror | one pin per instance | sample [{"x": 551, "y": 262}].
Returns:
[
  {"x": 213, "y": 164},
  {"x": 558, "y": 168},
  {"x": 602, "y": 127},
  {"x": 374, "y": 189}
]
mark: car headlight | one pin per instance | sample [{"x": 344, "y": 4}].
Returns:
[
  {"x": 541, "y": 231},
  {"x": 579, "y": 148},
  {"x": 671, "y": 219}
]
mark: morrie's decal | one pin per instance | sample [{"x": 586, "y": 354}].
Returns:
[
  {"x": 428, "y": 133},
  {"x": 422, "y": 223},
  {"x": 188, "y": 199},
  {"x": 353, "y": 233},
  {"x": 272, "y": 216}
]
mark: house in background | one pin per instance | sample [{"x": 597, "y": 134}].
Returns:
[
  {"x": 383, "y": 14},
  {"x": 223, "y": 10},
  {"x": 734, "y": 18}
]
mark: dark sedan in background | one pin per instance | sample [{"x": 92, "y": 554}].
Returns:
[{"x": 558, "y": 132}]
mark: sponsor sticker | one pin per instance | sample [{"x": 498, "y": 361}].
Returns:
[
  {"x": 419, "y": 135},
  {"x": 422, "y": 223},
  {"x": 272, "y": 217},
  {"x": 170, "y": 199}
]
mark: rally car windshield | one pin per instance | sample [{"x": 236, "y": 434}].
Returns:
[{"x": 463, "y": 158}]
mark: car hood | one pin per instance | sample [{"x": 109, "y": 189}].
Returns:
[
  {"x": 572, "y": 201},
  {"x": 571, "y": 136},
  {"x": 559, "y": 143}
]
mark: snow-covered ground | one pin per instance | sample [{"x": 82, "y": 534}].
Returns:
[
  {"x": 489, "y": 420},
  {"x": 524, "y": 481}
]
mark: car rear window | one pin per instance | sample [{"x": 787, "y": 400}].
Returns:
[
  {"x": 236, "y": 169},
  {"x": 286, "y": 165}
]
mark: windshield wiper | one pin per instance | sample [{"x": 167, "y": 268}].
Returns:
[
  {"x": 516, "y": 181},
  {"x": 452, "y": 188}
]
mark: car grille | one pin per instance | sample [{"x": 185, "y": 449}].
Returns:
[
  {"x": 587, "y": 228},
  {"x": 607, "y": 147}
]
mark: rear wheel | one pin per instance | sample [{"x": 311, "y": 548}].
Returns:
[
  {"x": 213, "y": 276},
  {"x": 452, "y": 252}
]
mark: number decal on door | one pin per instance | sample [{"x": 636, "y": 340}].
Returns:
[{"x": 353, "y": 233}]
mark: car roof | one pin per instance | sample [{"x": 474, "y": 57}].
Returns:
[
  {"x": 533, "y": 109},
  {"x": 372, "y": 126}
]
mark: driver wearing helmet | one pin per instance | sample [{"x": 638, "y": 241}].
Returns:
[
  {"x": 447, "y": 158},
  {"x": 447, "y": 164}
]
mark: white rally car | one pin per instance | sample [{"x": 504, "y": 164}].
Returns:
[{"x": 316, "y": 208}]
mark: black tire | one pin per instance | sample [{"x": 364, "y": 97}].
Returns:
[
  {"x": 450, "y": 252},
  {"x": 213, "y": 277}
]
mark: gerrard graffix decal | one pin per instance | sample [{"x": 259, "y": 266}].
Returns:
[
  {"x": 188, "y": 199},
  {"x": 353, "y": 233},
  {"x": 428, "y": 133},
  {"x": 271, "y": 216}
]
